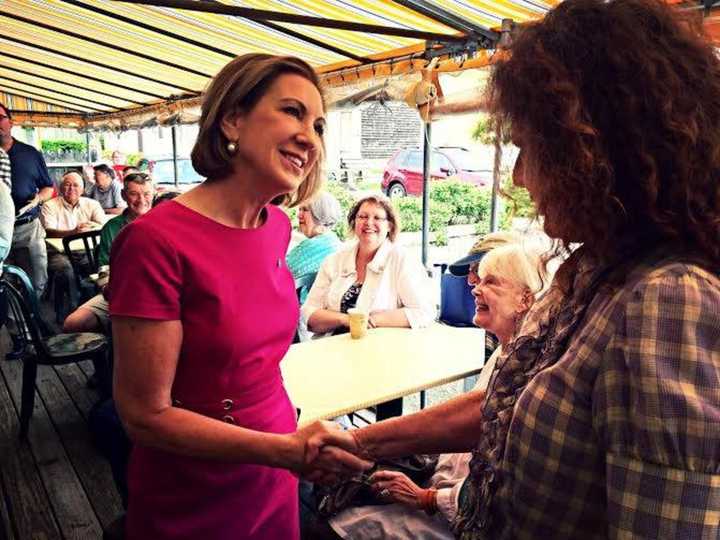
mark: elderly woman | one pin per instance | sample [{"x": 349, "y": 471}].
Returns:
[
  {"x": 373, "y": 274},
  {"x": 507, "y": 280},
  {"x": 203, "y": 309},
  {"x": 601, "y": 417},
  {"x": 316, "y": 220}
]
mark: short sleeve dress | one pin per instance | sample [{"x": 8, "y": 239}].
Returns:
[{"x": 234, "y": 295}]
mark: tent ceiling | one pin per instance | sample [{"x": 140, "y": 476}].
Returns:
[
  {"x": 92, "y": 57},
  {"x": 81, "y": 59}
]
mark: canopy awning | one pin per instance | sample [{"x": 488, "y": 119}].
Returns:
[
  {"x": 74, "y": 62},
  {"x": 102, "y": 63}
]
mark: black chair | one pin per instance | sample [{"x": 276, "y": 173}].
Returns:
[
  {"x": 83, "y": 266},
  {"x": 41, "y": 347}
]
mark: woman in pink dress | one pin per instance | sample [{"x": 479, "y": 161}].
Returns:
[{"x": 203, "y": 309}]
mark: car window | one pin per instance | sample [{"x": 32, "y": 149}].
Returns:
[
  {"x": 439, "y": 161},
  {"x": 413, "y": 161},
  {"x": 464, "y": 160}
]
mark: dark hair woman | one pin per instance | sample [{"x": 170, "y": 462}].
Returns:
[
  {"x": 601, "y": 418},
  {"x": 204, "y": 308}
]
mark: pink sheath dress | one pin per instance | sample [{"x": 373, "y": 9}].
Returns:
[{"x": 235, "y": 297}]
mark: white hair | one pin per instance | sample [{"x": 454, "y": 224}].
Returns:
[
  {"x": 75, "y": 175},
  {"x": 325, "y": 209},
  {"x": 518, "y": 262}
]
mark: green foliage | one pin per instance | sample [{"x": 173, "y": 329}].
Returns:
[
  {"x": 58, "y": 146},
  {"x": 467, "y": 203},
  {"x": 484, "y": 131},
  {"x": 518, "y": 203},
  {"x": 133, "y": 158},
  {"x": 451, "y": 202},
  {"x": 410, "y": 210},
  {"x": 346, "y": 201},
  {"x": 440, "y": 238}
]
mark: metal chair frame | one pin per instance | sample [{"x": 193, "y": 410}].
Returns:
[{"x": 34, "y": 332}]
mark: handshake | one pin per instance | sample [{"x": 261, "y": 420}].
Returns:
[{"x": 328, "y": 453}]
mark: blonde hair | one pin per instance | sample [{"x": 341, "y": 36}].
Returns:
[
  {"x": 237, "y": 88},
  {"x": 521, "y": 264}
]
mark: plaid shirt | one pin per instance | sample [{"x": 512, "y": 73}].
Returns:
[
  {"x": 621, "y": 437},
  {"x": 5, "y": 168}
]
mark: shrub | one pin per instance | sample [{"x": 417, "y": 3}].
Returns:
[
  {"x": 410, "y": 210},
  {"x": 346, "y": 201},
  {"x": 62, "y": 146},
  {"x": 468, "y": 203}
]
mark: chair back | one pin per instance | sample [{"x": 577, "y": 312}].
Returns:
[
  {"x": 303, "y": 284},
  {"x": 457, "y": 304},
  {"x": 91, "y": 243},
  {"x": 24, "y": 306}
]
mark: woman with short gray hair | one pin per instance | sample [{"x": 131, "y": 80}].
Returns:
[{"x": 316, "y": 220}]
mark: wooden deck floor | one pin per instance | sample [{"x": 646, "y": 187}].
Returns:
[{"x": 55, "y": 485}]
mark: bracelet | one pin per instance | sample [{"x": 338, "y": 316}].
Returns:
[{"x": 428, "y": 500}]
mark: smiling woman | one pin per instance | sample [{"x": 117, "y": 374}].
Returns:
[
  {"x": 204, "y": 308},
  {"x": 372, "y": 274}
]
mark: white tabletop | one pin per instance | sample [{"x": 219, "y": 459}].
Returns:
[{"x": 336, "y": 375}]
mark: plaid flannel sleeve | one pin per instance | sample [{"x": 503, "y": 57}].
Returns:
[{"x": 657, "y": 409}]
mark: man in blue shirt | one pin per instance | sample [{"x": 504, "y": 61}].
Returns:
[{"x": 31, "y": 186}]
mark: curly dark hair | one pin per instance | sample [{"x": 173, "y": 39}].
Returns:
[{"x": 616, "y": 107}]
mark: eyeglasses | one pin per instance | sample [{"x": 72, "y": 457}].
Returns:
[
  {"x": 136, "y": 176},
  {"x": 365, "y": 217}
]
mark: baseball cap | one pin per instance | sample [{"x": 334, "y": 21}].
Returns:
[{"x": 461, "y": 267}]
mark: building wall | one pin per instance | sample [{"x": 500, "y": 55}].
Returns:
[{"x": 387, "y": 128}]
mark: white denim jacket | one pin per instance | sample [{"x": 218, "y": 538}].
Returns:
[{"x": 392, "y": 280}]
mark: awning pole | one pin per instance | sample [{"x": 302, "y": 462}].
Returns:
[
  {"x": 173, "y": 133},
  {"x": 426, "y": 191},
  {"x": 87, "y": 147}
]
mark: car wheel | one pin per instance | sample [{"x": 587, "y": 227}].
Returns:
[{"x": 396, "y": 189}]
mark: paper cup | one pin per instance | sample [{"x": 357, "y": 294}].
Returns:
[{"x": 358, "y": 322}]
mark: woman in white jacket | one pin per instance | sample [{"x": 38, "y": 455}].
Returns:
[{"x": 372, "y": 274}]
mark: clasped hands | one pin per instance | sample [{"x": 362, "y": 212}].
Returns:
[
  {"x": 332, "y": 454},
  {"x": 329, "y": 453}
]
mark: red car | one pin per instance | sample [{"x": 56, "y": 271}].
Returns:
[{"x": 404, "y": 171}]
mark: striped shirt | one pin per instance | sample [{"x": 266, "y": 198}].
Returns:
[
  {"x": 621, "y": 437},
  {"x": 5, "y": 177}
]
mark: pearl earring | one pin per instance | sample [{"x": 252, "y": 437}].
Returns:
[{"x": 231, "y": 147}]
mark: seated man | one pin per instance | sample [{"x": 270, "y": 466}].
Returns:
[
  {"x": 68, "y": 214},
  {"x": 138, "y": 192},
  {"x": 105, "y": 190}
]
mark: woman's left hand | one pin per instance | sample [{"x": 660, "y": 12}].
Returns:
[{"x": 396, "y": 487}]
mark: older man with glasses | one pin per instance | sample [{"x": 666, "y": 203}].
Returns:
[{"x": 65, "y": 215}]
